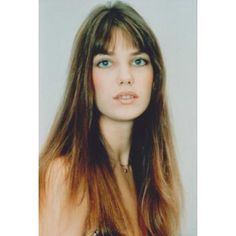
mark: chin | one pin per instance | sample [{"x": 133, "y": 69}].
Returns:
[{"x": 126, "y": 115}]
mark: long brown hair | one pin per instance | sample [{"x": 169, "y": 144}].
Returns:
[{"x": 75, "y": 136}]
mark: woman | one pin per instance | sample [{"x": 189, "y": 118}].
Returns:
[{"x": 108, "y": 166}]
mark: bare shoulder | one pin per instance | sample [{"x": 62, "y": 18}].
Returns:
[
  {"x": 58, "y": 216},
  {"x": 57, "y": 171}
]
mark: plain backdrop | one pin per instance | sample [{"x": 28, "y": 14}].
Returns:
[{"x": 174, "y": 23}]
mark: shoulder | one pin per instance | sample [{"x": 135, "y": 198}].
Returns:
[
  {"x": 57, "y": 170},
  {"x": 56, "y": 176},
  {"x": 56, "y": 184},
  {"x": 58, "y": 216},
  {"x": 59, "y": 164}
]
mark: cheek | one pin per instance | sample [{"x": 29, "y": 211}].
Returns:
[
  {"x": 102, "y": 85},
  {"x": 146, "y": 87},
  {"x": 96, "y": 79},
  {"x": 145, "y": 79},
  {"x": 98, "y": 82}
]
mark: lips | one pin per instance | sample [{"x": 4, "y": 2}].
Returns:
[{"x": 126, "y": 97}]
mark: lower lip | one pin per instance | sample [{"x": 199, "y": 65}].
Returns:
[{"x": 126, "y": 101}]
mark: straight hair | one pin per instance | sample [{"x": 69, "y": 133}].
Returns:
[{"x": 76, "y": 139}]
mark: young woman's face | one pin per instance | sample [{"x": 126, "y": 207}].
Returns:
[{"x": 122, "y": 80}]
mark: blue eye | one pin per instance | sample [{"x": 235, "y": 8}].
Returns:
[
  {"x": 104, "y": 63},
  {"x": 139, "y": 62}
]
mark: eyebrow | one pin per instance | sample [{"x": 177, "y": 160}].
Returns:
[{"x": 111, "y": 53}]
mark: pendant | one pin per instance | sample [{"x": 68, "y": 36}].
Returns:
[{"x": 125, "y": 168}]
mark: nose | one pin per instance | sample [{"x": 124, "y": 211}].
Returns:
[{"x": 125, "y": 76}]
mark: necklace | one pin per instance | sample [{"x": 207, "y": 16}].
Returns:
[{"x": 125, "y": 168}]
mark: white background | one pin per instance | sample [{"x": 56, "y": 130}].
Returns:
[{"x": 19, "y": 118}]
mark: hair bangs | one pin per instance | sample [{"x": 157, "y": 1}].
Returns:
[{"x": 110, "y": 26}]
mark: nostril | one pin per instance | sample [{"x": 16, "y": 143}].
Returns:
[{"x": 129, "y": 82}]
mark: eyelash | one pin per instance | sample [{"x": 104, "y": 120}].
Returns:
[
  {"x": 101, "y": 65},
  {"x": 102, "y": 61},
  {"x": 145, "y": 62}
]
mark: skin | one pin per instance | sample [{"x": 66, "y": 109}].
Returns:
[{"x": 123, "y": 69}]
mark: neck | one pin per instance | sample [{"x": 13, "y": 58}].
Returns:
[{"x": 117, "y": 135}]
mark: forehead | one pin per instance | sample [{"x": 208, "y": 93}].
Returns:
[
  {"x": 119, "y": 39},
  {"x": 116, "y": 38}
]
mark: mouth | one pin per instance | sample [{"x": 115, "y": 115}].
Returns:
[{"x": 126, "y": 97}]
